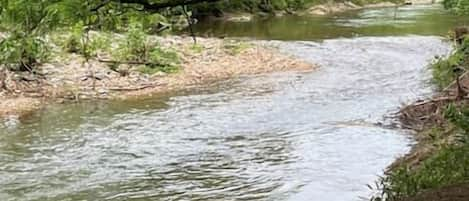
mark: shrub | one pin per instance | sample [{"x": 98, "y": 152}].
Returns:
[
  {"x": 135, "y": 45},
  {"x": 25, "y": 46},
  {"x": 136, "y": 48},
  {"x": 74, "y": 42},
  {"x": 444, "y": 69},
  {"x": 457, "y": 6},
  {"x": 23, "y": 53}
]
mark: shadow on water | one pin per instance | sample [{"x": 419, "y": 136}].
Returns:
[{"x": 283, "y": 136}]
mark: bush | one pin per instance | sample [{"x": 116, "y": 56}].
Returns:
[
  {"x": 136, "y": 48},
  {"x": 25, "y": 47},
  {"x": 457, "y": 6},
  {"x": 23, "y": 53},
  {"x": 74, "y": 43},
  {"x": 444, "y": 70},
  {"x": 135, "y": 45}
]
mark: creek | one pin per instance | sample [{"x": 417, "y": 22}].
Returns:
[{"x": 321, "y": 135}]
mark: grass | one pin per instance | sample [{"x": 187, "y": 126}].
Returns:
[
  {"x": 448, "y": 164},
  {"x": 196, "y": 48}
]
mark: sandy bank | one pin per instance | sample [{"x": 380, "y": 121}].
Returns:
[{"x": 67, "y": 79}]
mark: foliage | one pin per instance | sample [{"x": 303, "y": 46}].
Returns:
[
  {"x": 27, "y": 22},
  {"x": 457, "y": 6},
  {"x": 196, "y": 48},
  {"x": 137, "y": 48},
  {"x": 74, "y": 41},
  {"x": 21, "y": 52},
  {"x": 253, "y": 5},
  {"x": 444, "y": 70}
]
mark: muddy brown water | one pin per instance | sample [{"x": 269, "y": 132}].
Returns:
[{"x": 282, "y": 136}]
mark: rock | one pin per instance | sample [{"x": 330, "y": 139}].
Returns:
[
  {"x": 318, "y": 10},
  {"x": 103, "y": 91}
]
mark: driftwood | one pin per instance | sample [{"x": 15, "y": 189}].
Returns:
[
  {"x": 124, "y": 62},
  {"x": 133, "y": 88}
]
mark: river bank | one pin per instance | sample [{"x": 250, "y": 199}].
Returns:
[
  {"x": 436, "y": 168},
  {"x": 321, "y": 9},
  {"x": 67, "y": 79},
  {"x": 339, "y": 7}
]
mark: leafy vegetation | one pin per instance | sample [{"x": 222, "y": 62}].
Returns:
[
  {"x": 445, "y": 70},
  {"x": 27, "y": 21},
  {"x": 138, "y": 49},
  {"x": 30, "y": 23},
  {"x": 458, "y": 6}
]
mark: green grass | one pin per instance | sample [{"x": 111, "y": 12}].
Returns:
[{"x": 450, "y": 165}]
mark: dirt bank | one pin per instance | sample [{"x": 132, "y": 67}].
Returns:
[
  {"x": 458, "y": 192},
  {"x": 68, "y": 79}
]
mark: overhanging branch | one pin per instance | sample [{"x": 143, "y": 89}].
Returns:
[{"x": 148, "y": 5}]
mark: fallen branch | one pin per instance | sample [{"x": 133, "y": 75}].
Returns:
[
  {"x": 127, "y": 62},
  {"x": 123, "y": 62},
  {"x": 134, "y": 88}
]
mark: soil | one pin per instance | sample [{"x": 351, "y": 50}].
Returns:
[{"x": 458, "y": 192}]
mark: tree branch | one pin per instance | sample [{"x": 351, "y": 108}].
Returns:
[{"x": 148, "y": 5}]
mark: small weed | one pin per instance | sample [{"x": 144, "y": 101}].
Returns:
[
  {"x": 235, "y": 47},
  {"x": 196, "y": 48}
]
